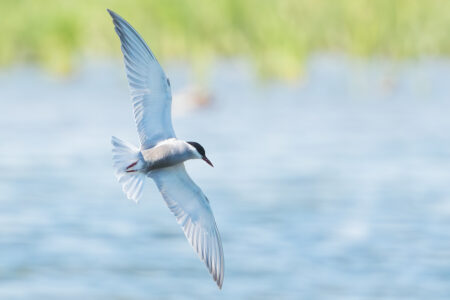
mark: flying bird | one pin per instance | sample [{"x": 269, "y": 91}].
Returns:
[{"x": 161, "y": 154}]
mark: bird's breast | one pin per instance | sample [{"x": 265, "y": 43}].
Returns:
[{"x": 165, "y": 155}]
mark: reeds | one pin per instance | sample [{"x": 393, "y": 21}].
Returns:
[{"x": 276, "y": 36}]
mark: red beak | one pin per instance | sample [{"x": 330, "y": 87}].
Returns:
[{"x": 207, "y": 161}]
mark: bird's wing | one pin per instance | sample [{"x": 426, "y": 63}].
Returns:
[
  {"x": 149, "y": 86},
  {"x": 193, "y": 212}
]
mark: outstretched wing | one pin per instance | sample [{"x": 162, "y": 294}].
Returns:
[
  {"x": 149, "y": 86},
  {"x": 192, "y": 211}
]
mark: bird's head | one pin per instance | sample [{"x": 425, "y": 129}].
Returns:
[{"x": 200, "y": 152}]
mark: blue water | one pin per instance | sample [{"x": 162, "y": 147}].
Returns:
[{"x": 332, "y": 186}]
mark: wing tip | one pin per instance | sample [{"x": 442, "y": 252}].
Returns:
[
  {"x": 217, "y": 267},
  {"x": 117, "y": 19},
  {"x": 111, "y": 13},
  {"x": 121, "y": 25},
  {"x": 219, "y": 280},
  {"x": 218, "y": 277}
]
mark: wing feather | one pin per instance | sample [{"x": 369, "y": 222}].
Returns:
[
  {"x": 193, "y": 212},
  {"x": 149, "y": 87}
]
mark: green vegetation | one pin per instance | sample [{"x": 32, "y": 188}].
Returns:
[{"x": 276, "y": 35}]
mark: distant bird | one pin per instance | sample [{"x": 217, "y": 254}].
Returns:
[
  {"x": 190, "y": 99},
  {"x": 161, "y": 154}
]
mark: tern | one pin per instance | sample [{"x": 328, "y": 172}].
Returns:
[{"x": 161, "y": 154}]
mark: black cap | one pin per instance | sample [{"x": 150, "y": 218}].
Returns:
[{"x": 199, "y": 148}]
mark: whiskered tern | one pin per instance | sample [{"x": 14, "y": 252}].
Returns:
[{"x": 161, "y": 154}]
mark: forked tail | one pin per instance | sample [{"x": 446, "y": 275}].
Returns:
[{"x": 127, "y": 161}]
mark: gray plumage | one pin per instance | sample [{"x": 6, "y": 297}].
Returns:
[
  {"x": 161, "y": 154},
  {"x": 168, "y": 153}
]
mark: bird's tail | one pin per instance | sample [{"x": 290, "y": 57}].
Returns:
[{"x": 127, "y": 162}]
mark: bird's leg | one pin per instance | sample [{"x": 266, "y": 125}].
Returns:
[{"x": 130, "y": 166}]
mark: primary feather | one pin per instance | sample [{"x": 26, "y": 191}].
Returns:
[{"x": 149, "y": 87}]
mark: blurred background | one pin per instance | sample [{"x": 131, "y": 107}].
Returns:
[{"x": 327, "y": 122}]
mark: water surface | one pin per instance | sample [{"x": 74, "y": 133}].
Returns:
[{"x": 335, "y": 186}]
